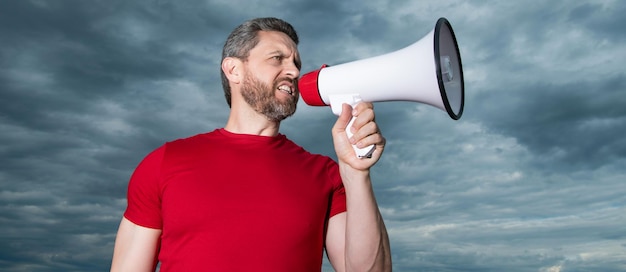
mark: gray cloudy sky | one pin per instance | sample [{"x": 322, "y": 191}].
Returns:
[{"x": 531, "y": 178}]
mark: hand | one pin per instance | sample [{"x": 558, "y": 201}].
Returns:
[{"x": 365, "y": 131}]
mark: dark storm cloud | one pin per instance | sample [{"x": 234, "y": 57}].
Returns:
[
  {"x": 603, "y": 22},
  {"x": 565, "y": 109},
  {"x": 81, "y": 84},
  {"x": 528, "y": 180},
  {"x": 574, "y": 123}
]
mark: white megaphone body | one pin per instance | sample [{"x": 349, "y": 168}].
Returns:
[{"x": 428, "y": 71}]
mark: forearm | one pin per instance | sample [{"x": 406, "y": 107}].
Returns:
[{"x": 367, "y": 242}]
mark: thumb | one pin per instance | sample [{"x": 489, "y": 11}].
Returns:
[{"x": 344, "y": 118}]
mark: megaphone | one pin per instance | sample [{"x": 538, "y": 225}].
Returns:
[{"x": 428, "y": 71}]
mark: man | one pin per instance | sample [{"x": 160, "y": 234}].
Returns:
[{"x": 245, "y": 198}]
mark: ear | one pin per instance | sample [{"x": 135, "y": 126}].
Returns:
[{"x": 232, "y": 68}]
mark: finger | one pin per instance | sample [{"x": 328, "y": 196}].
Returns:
[
  {"x": 362, "y": 106},
  {"x": 373, "y": 139},
  {"x": 364, "y": 117},
  {"x": 344, "y": 118},
  {"x": 368, "y": 134}
]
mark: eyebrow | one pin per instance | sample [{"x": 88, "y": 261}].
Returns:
[
  {"x": 296, "y": 59},
  {"x": 278, "y": 51}
]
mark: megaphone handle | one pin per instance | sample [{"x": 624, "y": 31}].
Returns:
[
  {"x": 336, "y": 103},
  {"x": 365, "y": 152}
]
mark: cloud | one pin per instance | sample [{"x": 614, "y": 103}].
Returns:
[{"x": 529, "y": 179}]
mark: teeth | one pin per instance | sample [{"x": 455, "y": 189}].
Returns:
[{"x": 285, "y": 89}]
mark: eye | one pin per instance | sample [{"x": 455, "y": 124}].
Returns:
[{"x": 298, "y": 64}]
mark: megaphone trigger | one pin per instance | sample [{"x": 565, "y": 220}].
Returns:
[{"x": 336, "y": 105}]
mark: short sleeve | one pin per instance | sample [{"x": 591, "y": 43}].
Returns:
[
  {"x": 144, "y": 194},
  {"x": 338, "y": 201}
]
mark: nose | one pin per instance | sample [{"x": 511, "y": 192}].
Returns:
[{"x": 292, "y": 70}]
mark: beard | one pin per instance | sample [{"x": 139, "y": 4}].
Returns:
[{"x": 262, "y": 98}]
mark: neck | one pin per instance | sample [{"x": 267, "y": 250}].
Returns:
[{"x": 245, "y": 120}]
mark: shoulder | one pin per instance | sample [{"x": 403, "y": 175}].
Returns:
[{"x": 190, "y": 143}]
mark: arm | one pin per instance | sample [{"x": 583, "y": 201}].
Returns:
[
  {"x": 357, "y": 240},
  {"x": 135, "y": 248}
]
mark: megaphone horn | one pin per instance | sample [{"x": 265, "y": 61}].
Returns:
[{"x": 429, "y": 71}]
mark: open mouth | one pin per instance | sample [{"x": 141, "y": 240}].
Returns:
[{"x": 285, "y": 89}]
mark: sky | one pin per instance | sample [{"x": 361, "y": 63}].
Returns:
[{"x": 531, "y": 178}]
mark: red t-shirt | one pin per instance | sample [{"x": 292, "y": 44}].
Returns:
[{"x": 233, "y": 202}]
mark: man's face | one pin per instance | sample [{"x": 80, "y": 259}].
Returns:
[{"x": 270, "y": 85}]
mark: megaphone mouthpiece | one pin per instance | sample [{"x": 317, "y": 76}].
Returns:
[{"x": 307, "y": 84}]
